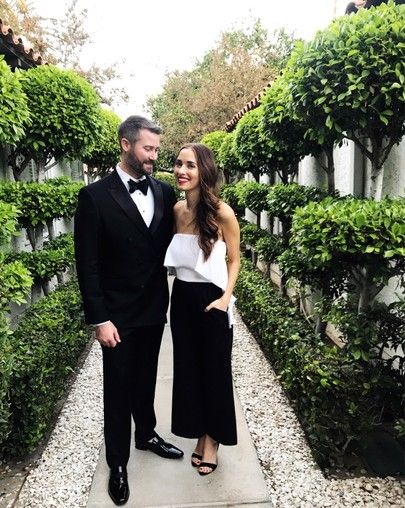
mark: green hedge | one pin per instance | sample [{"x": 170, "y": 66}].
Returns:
[
  {"x": 229, "y": 194},
  {"x": 250, "y": 234},
  {"x": 40, "y": 203},
  {"x": 6, "y": 365},
  {"x": 14, "y": 283},
  {"x": 336, "y": 398},
  {"x": 169, "y": 178},
  {"x": 46, "y": 346},
  {"x": 55, "y": 257}
]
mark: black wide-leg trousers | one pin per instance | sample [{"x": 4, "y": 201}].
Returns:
[
  {"x": 202, "y": 384},
  {"x": 129, "y": 371}
]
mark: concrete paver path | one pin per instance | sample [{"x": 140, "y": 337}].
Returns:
[{"x": 157, "y": 482}]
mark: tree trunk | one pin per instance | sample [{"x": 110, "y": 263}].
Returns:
[
  {"x": 320, "y": 326},
  {"x": 16, "y": 174},
  {"x": 36, "y": 236},
  {"x": 285, "y": 237},
  {"x": 376, "y": 148},
  {"x": 284, "y": 176},
  {"x": 330, "y": 170},
  {"x": 51, "y": 229},
  {"x": 374, "y": 180},
  {"x": 36, "y": 292},
  {"x": 46, "y": 287},
  {"x": 16, "y": 168},
  {"x": 283, "y": 288},
  {"x": 40, "y": 170},
  {"x": 254, "y": 256},
  {"x": 366, "y": 290}
]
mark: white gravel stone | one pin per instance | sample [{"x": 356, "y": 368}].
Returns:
[
  {"x": 65, "y": 472},
  {"x": 292, "y": 476}
]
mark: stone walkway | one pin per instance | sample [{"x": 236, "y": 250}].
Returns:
[{"x": 156, "y": 482}]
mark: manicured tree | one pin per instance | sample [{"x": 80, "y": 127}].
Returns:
[
  {"x": 350, "y": 80},
  {"x": 228, "y": 159},
  {"x": 104, "y": 155},
  {"x": 295, "y": 112},
  {"x": 363, "y": 236},
  {"x": 65, "y": 118},
  {"x": 13, "y": 105},
  {"x": 165, "y": 160},
  {"x": 250, "y": 144},
  {"x": 15, "y": 281},
  {"x": 284, "y": 135},
  {"x": 253, "y": 195},
  {"x": 169, "y": 178},
  {"x": 214, "y": 141},
  {"x": 229, "y": 193},
  {"x": 282, "y": 200},
  {"x": 40, "y": 204}
]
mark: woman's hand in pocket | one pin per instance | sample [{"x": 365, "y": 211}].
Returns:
[{"x": 219, "y": 304}]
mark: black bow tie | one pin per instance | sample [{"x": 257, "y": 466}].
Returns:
[{"x": 142, "y": 185}]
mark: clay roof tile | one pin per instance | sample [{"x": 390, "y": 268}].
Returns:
[
  {"x": 17, "y": 45},
  {"x": 252, "y": 104}
]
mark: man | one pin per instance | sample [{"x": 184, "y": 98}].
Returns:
[{"x": 123, "y": 225}]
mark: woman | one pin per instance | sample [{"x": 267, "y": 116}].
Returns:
[{"x": 205, "y": 255}]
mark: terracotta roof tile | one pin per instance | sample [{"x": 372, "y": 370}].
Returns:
[
  {"x": 254, "y": 103},
  {"x": 16, "y": 44}
]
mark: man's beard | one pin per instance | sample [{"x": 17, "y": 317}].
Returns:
[{"x": 137, "y": 166}]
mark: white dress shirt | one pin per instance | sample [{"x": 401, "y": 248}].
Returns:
[{"x": 145, "y": 204}]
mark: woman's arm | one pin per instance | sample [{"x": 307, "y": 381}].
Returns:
[{"x": 230, "y": 232}]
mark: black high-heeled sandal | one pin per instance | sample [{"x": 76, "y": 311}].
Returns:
[
  {"x": 208, "y": 464},
  {"x": 196, "y": 456}
]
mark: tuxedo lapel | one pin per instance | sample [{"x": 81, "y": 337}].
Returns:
[
  {"x": 159, "y": 205},
  {"x": 123, "y": 198}
]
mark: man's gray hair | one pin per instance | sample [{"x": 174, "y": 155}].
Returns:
[{"x": 130, "y": 128}]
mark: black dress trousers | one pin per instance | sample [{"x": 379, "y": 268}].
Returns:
[
  {"x": 130, "y": 370},
  {"x": 203, "y": 400}
]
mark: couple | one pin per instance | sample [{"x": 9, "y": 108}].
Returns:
[{"x": 124, "y": 240}]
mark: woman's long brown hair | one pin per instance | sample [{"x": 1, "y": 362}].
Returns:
[{"x": 208, "y": 204}]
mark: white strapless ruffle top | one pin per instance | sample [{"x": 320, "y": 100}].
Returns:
[{"x": 185, "y": 257}]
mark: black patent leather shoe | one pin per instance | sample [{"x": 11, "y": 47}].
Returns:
[
  {"x": 118, "y": 485},
  {"x": 160, "y": 447}
]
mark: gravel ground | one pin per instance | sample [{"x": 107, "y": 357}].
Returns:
[
  {"x": 64, "y": 474},
  {"x": 65, "y": 471},
  {"x": 292, "y": 476}
]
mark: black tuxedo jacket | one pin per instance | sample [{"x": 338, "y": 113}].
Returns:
[{"x": 119, "y": 259}]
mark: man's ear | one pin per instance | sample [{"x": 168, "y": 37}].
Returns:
[{"x": 125, "y": 145}]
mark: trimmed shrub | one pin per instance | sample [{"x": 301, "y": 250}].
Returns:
[
  {"x": 229, "y": 194},
  {"x": 14, "y": 283},
  {"x": 46, "y": 344},
  {"x": 250, "y": 234},
  {"x": 13, "y": 105},
  {"x": 55, "y": 257},
  {"x": 40, "y": 203},
  {"x": 6, "y": 365},
  {"x": 337, "y": 399},
  {"x": 169, "y": 178}
]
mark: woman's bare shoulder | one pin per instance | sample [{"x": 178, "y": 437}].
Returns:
[
  {"x": 225, "y": 212},
  {"x": 179, "y": 205}
]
